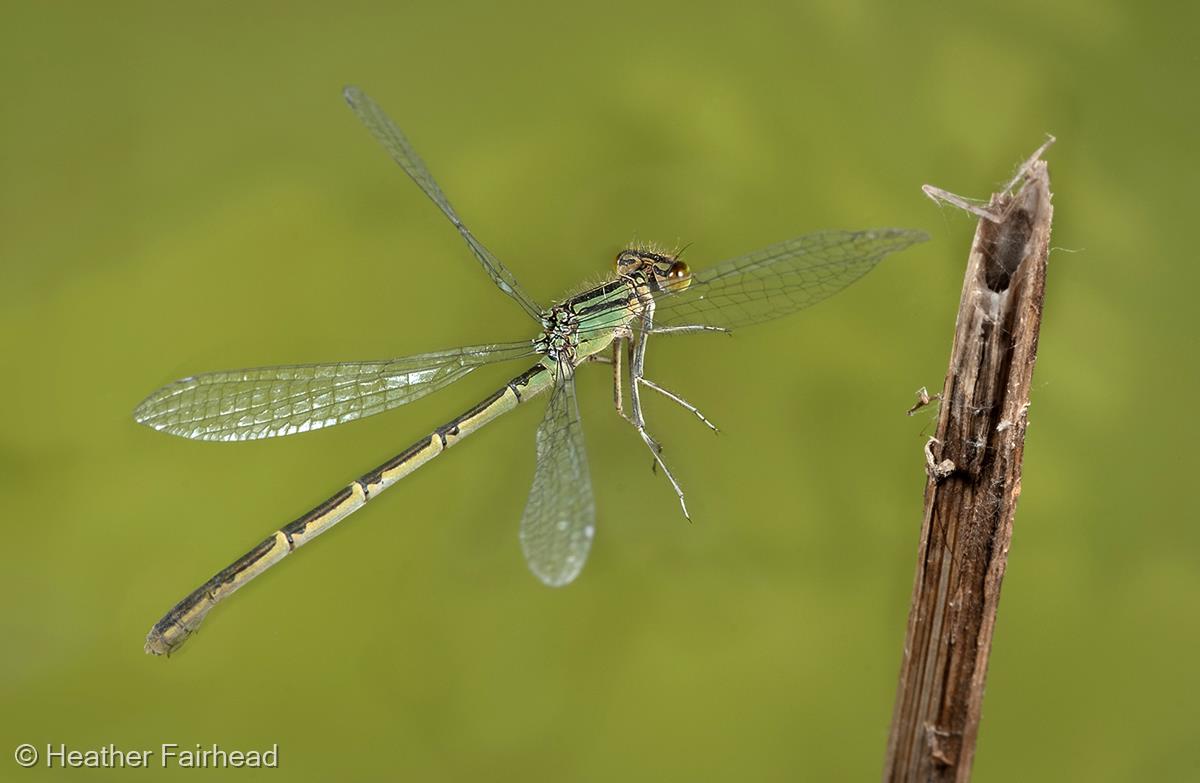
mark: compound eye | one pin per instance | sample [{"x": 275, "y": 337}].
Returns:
[{"x": 678, "y": 276}]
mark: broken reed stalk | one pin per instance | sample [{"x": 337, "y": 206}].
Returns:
[{"x": 974, "y": 480}]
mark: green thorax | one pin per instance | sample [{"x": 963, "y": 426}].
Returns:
[{"x": 587, "y": 323}]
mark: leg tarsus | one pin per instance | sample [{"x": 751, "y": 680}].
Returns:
[
  {"x": 687, "y": 406},
  {"x": 652, "y": 445}
]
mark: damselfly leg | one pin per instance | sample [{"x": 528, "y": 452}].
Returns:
[{"x": 681, "y": 402}]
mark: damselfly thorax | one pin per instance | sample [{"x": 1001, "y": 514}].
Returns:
[{"x": 586, "y": 324}]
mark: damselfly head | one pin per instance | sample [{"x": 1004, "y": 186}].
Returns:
[{"x": 660, "y": 270}]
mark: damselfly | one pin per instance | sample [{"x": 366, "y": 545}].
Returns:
[{"x": 649, "y": 293}]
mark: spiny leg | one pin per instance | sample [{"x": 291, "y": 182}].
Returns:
[
  {"x": 679, "y": 401},
  {"x": 639, "y": 421},
  {"x": 622, "y": 349},
  {"x": 687, "y": 328},
  {"x": 619, "y": 388},
  {"x": 618, "y": 380},
  {"x": 682, "y": 329},
  {"x": 619, "y": 385},
  {"x": 622, "y": 354}
]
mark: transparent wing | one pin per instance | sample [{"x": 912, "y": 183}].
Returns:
[
  {"x": 394, "y": 141},
  {"x": 560, "y": 515},
  {"x": 268, "y": 402},
  {"x": 779, "y": 279}
]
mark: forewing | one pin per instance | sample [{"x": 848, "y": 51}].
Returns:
[
  {"x": 775, "y": 281},
  {"x": 560, "y": 516},
  {"x": 780, "y": 279},
  {"x": 268, "y": 402},
  {"x": 394, "y": 141}
]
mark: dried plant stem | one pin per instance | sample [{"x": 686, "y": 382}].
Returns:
[{"x": 974, "y": 480}]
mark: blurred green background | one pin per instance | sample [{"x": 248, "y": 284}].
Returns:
[{"x": 184, "y": 190}]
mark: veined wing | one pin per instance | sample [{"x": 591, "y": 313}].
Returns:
[
  {"x": 268, "y": 402},
  {"x": 779, "y": 279},
  {"x": 560, "y": 515},
  {"x": 394, "y": 141}
]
